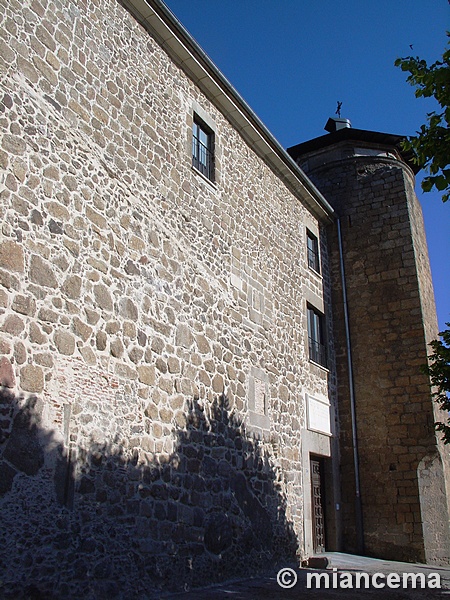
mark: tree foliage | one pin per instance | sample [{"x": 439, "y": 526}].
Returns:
[
  {"x": 439, "y": 371},
  {"x": 431, "y": 145}
]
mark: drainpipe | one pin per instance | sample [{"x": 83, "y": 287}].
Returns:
[{"x": 358, "y": 501}]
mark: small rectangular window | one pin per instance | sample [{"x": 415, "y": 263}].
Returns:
[
  {"x": 313, "y": 251},
  {"x": 316, "y": 339},
  {"x": 203, "y": 148}
]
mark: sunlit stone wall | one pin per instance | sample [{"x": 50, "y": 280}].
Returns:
[{"x": 141, "y": 306}]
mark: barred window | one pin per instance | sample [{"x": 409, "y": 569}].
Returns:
[
  {"x": 203, "y": 148},
  {"x": 313, "y": 251},
  {"x": 316, "y": 339}
]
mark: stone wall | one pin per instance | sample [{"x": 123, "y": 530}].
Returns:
[
  {"x": 392, "y": 318},
  {"x": 141, "y": 306}
]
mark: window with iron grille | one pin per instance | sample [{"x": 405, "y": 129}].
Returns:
[
  {"x": 316, "y": 340},
  {"x": 313, "y": 251},
  {"x": 203, "y": 148}
]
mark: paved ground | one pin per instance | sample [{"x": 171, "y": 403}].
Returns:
[{"x": 265, "y": 588}]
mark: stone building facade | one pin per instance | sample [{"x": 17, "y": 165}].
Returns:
[
  {"x": 392, "y": 317},
  {"x": 169, "y": 392},
  {"x": 155, "y": 356}
]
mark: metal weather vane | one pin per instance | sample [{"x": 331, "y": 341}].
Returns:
[{"x": 338, "y": 110}]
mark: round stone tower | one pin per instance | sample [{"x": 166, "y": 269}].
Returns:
[{"x": 394, "y": 472}]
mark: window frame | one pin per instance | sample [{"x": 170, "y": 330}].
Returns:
[
  {"x": 202, "y": 148},
  {"x": 312, "y": 251},
  {"x": 317, "y": 347}
]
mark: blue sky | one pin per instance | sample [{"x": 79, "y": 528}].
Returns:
[{"x": 292, "y": 60}]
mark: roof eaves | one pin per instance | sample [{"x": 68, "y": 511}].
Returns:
[
  {"x": 184, "y": 50},
  {"x": 350, "y": 134}
]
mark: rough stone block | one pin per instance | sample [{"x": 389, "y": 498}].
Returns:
[
  {"x": 44, "y": 359},
  {"x": 146, "y": 374},
  {"x": 184, "y": 336},
  {"x": 101, "y": 340},
  {"x": 72, "y": 287},
  {"x": 14, "y": 144},
  {"x": 65, "y": 342},
  {"x": 203, "y": 344},
  {"x": 116, "y": 348},
  {"x": 81, "y": 329},
  {"x": 103, "y": 297},
  {"x": 11, "y": 256},
  {"x": 7, "y": 378},
  {"x": 32, "y": 379},
  {"x": 127, "y": 309},
  {"x": 218, "y": 384},
  {"x": 95, "y": 217},
  {"x": 24, "y": 305},
  {"x": 125, "y": 371},
  {"x": 20, "y": 353},
  {"x": 41, "y": 273},
  {"x": 13, "y": 325}
]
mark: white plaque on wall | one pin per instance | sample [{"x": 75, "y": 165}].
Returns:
[{"x": 319, "y": 416}]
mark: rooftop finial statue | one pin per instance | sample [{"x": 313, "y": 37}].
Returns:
[{"x": 338, "y": 110}]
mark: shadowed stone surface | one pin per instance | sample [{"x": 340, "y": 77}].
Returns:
[{"x": 23, "y": 450}]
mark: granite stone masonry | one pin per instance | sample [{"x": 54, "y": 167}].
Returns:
[
  {"x": 141, "y": 304},
  {"x": 169, "y": 314}
]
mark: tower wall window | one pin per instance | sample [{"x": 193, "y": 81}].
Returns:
[{"x": 316, "y": 341}]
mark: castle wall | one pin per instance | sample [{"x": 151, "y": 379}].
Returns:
[
  {"x": 392, "y": 318},
  {"x": 152, "y": 325}
]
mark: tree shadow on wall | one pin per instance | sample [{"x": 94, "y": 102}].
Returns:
[{"x": 104, "y": 525}]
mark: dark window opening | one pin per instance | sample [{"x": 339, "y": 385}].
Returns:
[
  {"x": 203, "y": 149},
  {"x": 316, "y": 341},
  {"x": 313, "y": 251}
]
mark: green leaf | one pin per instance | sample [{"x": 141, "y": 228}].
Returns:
[
  {"x": 427, "y": 184},
  {"x": 431, "y": 145},
  {"x": 441, "y": 183}
]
